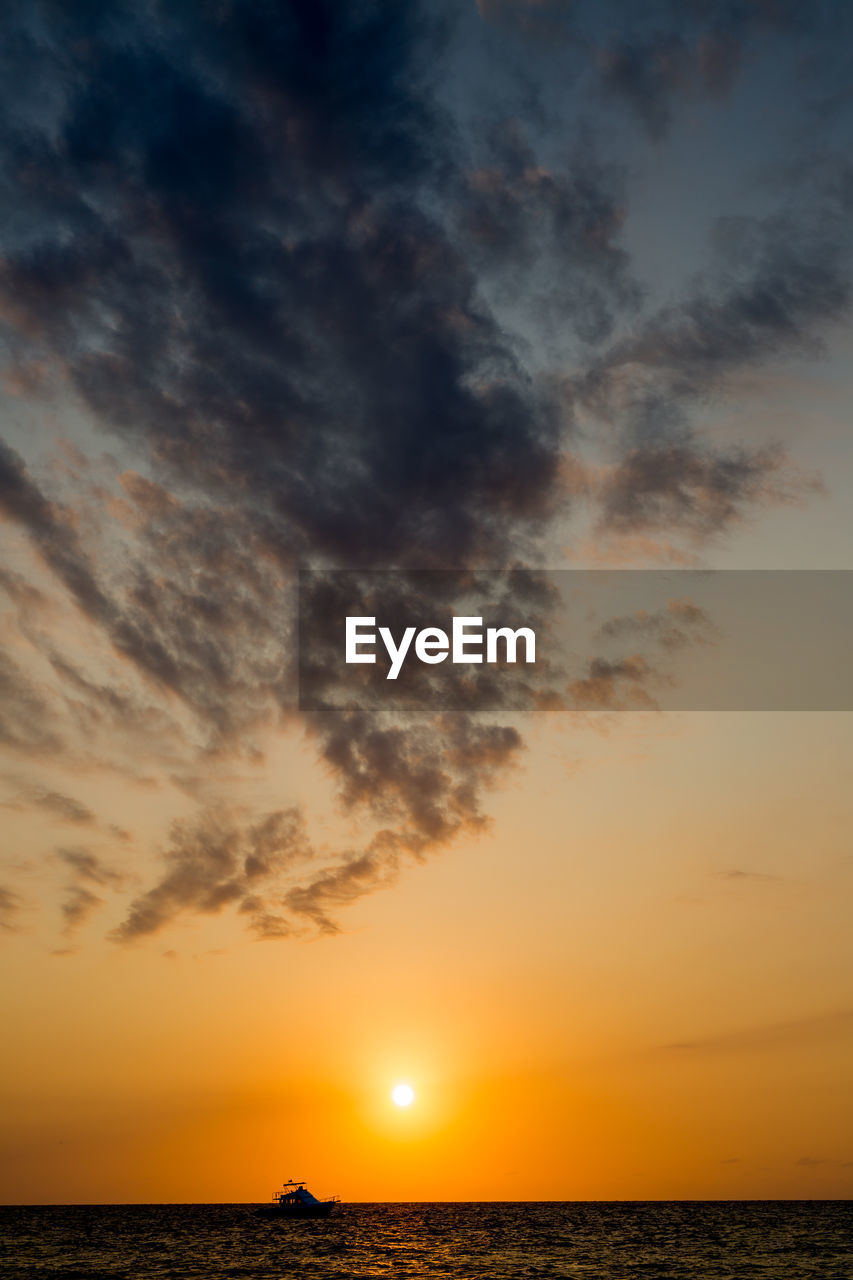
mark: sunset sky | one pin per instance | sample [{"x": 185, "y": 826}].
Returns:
[{"x": 445, "y": 285}]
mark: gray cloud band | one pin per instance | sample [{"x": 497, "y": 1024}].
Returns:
[{"x": 745, "y": 640}]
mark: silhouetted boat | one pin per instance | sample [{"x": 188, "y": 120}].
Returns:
[{"x": 296, "y": 1201}]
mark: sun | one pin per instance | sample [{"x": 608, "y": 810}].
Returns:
[{"x": 403, "y": 1095}]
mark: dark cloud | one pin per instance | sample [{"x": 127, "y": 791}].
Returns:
[
  {"x": 254, "y": 244},
  {"x": 666, "y": 55},
  {"x": 426, "y": 775},
  {"x": 27, "y": 719},
  {"x": 551, "y": 237},
  {"x": 425, "y": 780},
  {"x": 680, "y": 624},
  {"x": 61, "y": 806},
  {"x": 214, "y": 862},
  {"x": 419, "y": 763},
  {"x": 339, "y": 886},
  {"x": 106, "y": 706},
  {"x": 776, "y": 286},
  {"x": 53, "y": 533},
  {"x": 21, "y": 591},
  {"x": 277, "y": 315},
  {"x": 690, "y": 485},
  {"x": 179, "y": 629},
  {"x": 655, "y": 59},
  {"x": 422, "y": 781},
  {"x": 518, "y": 598},
  {"x": 619, "y": 684},
  {"x": 773, "y": 283},
  {"x": 88, "y": 867},
  {"x": 541, "y": 19},
  {"x": 232, "y": 260},
  {"x": 239, "y": 243},
  {"x": 225, "y": 652},
  {"x": 80, "y": 901},
  {"x": 10, "y": 905},
  {"x": 649, "y": 74}
]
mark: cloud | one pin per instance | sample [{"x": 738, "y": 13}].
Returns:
[
  {"x": 770, "y": 1036},
  {"x": 427, "y": 775},
  {"x": 812, "y": 1162},
  {"x": 10, "y": 905},
  {"x": 255, "y": 246},
  {"x": 88, "y": 867},
  {"x": 52, "y": 531},
  {"x": 663, "y": 57},
  {"x": 541, "y": 19},
  {"x": 775, "y": 286},
  {"x": 339, "y": 886},
  {"x": 27, "y": 719},
  {"x": 80, "y": 900},
  {"x": 611, "y": 685},
  {"x": 426, "y": 779},
  {"x": 551, "y": 237},
  {"x": 666, "y": 56},
  {"x": 22, "y": 592},
  {"x": 233, "y": 291},
  {"x": 213, "y": 862},
  {"x": 629, "y": 681},
  {"x": 61, "y": 806},
  {"x": 228, "y": 293},
  {"x": 700, "y": 489},
  {"x": 649, "y": 74},
  {"x": 175, "y": 625},
  {"x": 78, "y": 906},
  {"x": 681, "y": 623},
  {"x": 736, "y": 873}
]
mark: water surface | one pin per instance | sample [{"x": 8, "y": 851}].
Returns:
[{"x": 777, "y": 1240}]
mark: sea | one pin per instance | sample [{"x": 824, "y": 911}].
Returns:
[{"x": 708, "y": 1240}]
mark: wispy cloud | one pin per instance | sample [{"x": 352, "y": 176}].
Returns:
[
  {"x": 737, "y": 874},
  {"x": 822, "y": 1162},
  {"x": 28, "y": 723},
  {"x": 618, "y": 684},
  {"x": 80, "y": 901},
  {"x": 769, "y": 1036},
  {"x": 10, "y": 906},
  {"x": 61, "y": 806},
  {"x": 680, "y": 624},
  {"x": 213, "y": 863}
]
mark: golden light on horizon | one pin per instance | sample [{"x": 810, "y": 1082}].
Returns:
[{"x": 403, "y": 1095}]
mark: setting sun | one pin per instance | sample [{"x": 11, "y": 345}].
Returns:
[{"x": 403, "y": 1095}]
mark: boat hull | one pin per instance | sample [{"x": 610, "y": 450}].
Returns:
[{"x": 321, "y": 1210}]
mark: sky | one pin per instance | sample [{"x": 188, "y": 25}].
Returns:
[{"x": 520, "y": 285}]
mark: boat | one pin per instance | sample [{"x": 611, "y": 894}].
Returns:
[{"x": 296, "y": 1201}]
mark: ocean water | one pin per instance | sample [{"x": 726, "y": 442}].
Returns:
[{"x": 785, "y": 1240}]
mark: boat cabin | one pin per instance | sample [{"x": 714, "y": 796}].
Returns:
[{"x": 295, "y": 1195}]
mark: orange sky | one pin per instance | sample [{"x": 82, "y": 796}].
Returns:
[{"x": 633, "y": 986}]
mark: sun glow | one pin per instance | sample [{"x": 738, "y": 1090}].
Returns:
[{"x": 403, "y": 1095}]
